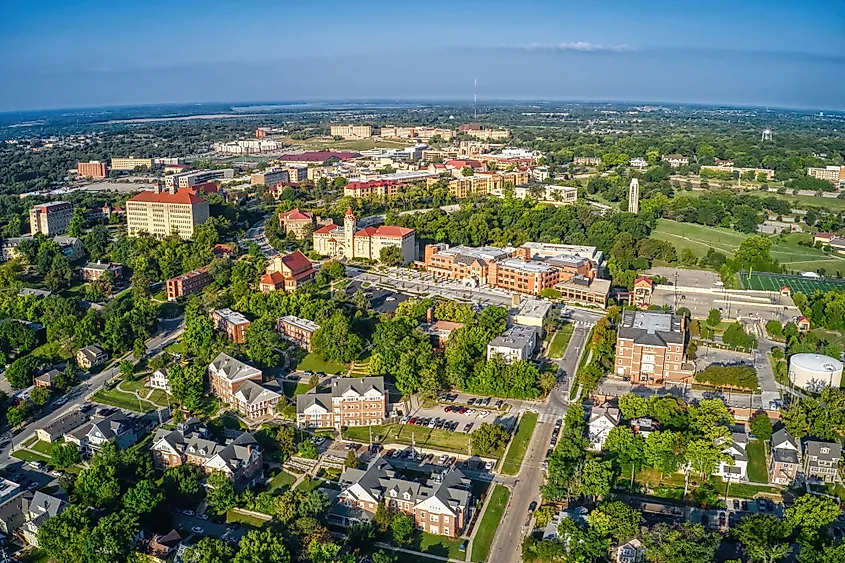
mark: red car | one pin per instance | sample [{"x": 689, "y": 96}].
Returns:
[{"x": 412, "y": 421}]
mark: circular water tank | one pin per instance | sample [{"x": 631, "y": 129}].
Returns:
[{"x": 814, "y": 372}]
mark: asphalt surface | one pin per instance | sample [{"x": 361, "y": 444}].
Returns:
[{"x": 169, "y": 329}]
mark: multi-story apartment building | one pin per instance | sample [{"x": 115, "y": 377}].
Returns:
[
  {"x": 93, "y": 271},
  {"x": 349, "y": 242},
  {"x": 515, "y": 344},
  {"x": 351, "y": 131},
  {"x": 269, "y": 177},
  {"x": 558, "y": 195},
  {"x": 288, "y": 272},
  {"x": 785, "y": 463},
  {"x": 163, "y": 213},
  {"x": 441, "y": 505},
  {"x": 477, "y": 184},
  {"x": 240, "y": 456},
  {"x": 675, "y": 160},
  {"x": 131, "y": 163},
  {"x": 187, "y": 284},
  {"x": 239, "y": 384},
  {"x": 385, "y": 184},
  {"x": 463, "y": 262},
  {"x": 297, "y": 174},
  {"x": 821, "y": 460},
  {"x": 233, "y": 323},
  {"x": 833, "y": 174},
  {"x": 482, "y": 132},
  {"x": 92, "y": 169},
  {"x": 352, "y": 401},
  {"x": 297, "y": 330},
  {"x": 523, "y": 276},
  {"x": 587, "y": 161},
  {"x": 191, "y": 179},
  {"x": 650, "y": 348},
  {"x": 50, "y": 219}
]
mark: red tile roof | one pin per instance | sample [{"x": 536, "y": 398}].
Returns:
[
  {"x": 275, "y": 279},
  {"x": 206, "y": 188},
  {"x": 296, "y": 261},
  {"x": 392, "y": 231},
  {"x": 185, "y": 196},
  {"x": 366, "y": 232},
  {"x": 645, "y": 279},
  {"x": 296, "y": 215},
  {"x": 464, "y": 163},
  {"x": 326, "y": 230}
]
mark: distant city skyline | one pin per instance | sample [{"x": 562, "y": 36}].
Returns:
[{"x": 94, "y": 53}]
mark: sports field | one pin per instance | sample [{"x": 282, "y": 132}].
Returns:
[
  {"x": 699, "y": 238},
  {"x": 765, "y": 281}
]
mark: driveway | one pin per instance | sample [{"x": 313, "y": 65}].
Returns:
[{"x": 231, "y": 533}]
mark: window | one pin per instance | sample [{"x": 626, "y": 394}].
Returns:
[{"x": 435, "y": 518}]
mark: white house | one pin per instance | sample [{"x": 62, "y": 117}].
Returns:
[
  {"x": 736, "y": 448},
  {"x": 158, "y": 380},
  {"x": 602, "y": 421},
  {"x": 631, "y": 551}
]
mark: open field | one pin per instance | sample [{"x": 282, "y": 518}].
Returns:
[
  {"x": 26, "y": 455},
  {"x": 496, "y": 503},
  {"x": 116, "y": 398},
  {"x": 519, "y": 443},
  {"x": 314, "y": 363},
  {"x": 436, "y": 545},
  {"x": 280, "y": 481},
  {"x": 456, "y": 442},
  {"x": 798, "y": 284},
  {"x": 292, "y": 388},
  {"x": 699, "y": 238},
  {"x": 561, "y": 341},
  {"x": 757, "y": 471}
]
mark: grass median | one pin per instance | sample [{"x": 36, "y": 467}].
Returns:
[
  {"x": 483, "y": 540},
  {"x": 519, "y": 443},
  {"x": 561, "y": 340}
]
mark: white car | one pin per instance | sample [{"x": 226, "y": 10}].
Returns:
[
  {"x": 405, "y": 419},
  {"x": 443, "y": 459},
  {"x": 198, "y": 530},
  {"x": 488, "y": 466},
  {"x": 188, "y": 512},
  {"x": 482, "y": 414}
]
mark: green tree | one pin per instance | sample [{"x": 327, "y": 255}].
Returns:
[
  {"x": 616, "y": 520},
  {"x": 714, "y": 317},
  {"x": 307, "y": 449},
  {"x": 391, "y": 256},
  {"x": 764, "y": 537},
  {"x": 402, "y": 528},
  {"x": 63, "y": 537},
  {"x": 335, "y": 340},
  {"x": 664, "y": 451},
  {"x": 143, "y": 498},
  {"x": 286, "y": 441},
  {"x": 761, "y": 427},
  {"x": 488, "y": 438},
  {"x": 262, "y": 546},
  {"x": 210, "y": 550},
  {"x": 186, "y": 385},
  {"x": 221, "y": 492},
  {"x": 684, "y": 543},
  {"x": 182, "y": 484},
  {"x": 360, "y": 536},
  {"x": 383, "y": 518},
  {"x": 263, "y": 341},
  {"x": 199, "y": 331},
  {"x": 98, "y": 485},
  {"x": 64, "y": 455},
  {"x": 351, "y": 460},
  {"x": 633, "y": 406},
  {"x": 810, "y": 514},
  {"x": 39, "y": 396},
  {"x": 598, "y": 478}
]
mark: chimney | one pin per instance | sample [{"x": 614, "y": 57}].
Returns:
[{"x": 429, "y": 315}]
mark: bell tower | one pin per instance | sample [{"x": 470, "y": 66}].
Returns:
[{"x": 349, "y": 225}]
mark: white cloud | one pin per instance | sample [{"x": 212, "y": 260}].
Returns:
[{"x": 580, "y": 46}]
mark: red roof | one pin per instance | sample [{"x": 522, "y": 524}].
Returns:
[
  {"x": 184, "y": 196},
  {"x": 318, "y": 156},
  {"x": 366, "y": 232},
  {"x": 274, "y": 279},
  {"x": 392, "y": 231},
  {"x": 296, "y": 261},
  {"x": 464, "y": 163},
  {"x": 206, "y": 188},
  {"x": 825, "y": 235},
  {"x": 326, "y": 230},
  {"x": 645, "y": 279},
  {"x": 296, "y": 215}
]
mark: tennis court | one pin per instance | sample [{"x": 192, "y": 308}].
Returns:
[{"x": 765, "y": 281}]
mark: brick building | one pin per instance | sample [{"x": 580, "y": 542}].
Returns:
[
  {"x": 650, "y": 348},
  {"x": 187, "y": 284},
  {"x": 300, "y": 223},
  {"x": 233, "y": 323},
  {"x": 288, "y": 272},
  {"x": 93, "y": 271},
  {"x": 297, "y": 330},
  {"x": 92, "y": 169},
  {"x": 50, "y": 219},
  {"x": 352, "y": 401},
  {"x": 239, "y": 384},
  {"x": 163, "y": 213}
]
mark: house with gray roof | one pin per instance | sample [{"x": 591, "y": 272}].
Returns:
[
  {"x": 61, "y": 426},
  {"x": 785, "y": 461},
  {"x": 737, "y": 448},
  {"x": 42, "y": 507},
  {"x": 117, "y": 427},
  {"x": 650, "y": 348},
  {"x": 91, "y": 356},
  {"x": 821, "y": 460},
  {"x": 516, "y": 343},
  {"x": 239, "y": 384},
  {"x": 440, "y": 505},
  {"x": 351, "y": 401}
]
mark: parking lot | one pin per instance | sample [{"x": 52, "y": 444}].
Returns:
[
  {"x": 737, "y": 509},
  {"x": 415, "y": 460},
  {"x": 458, "y": 414}
]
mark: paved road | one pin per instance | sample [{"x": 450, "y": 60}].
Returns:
[
  {"x": 169, "y": 329},
  {"x": 256, "y": 234}
]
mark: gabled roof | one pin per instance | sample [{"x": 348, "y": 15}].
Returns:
[
  {"x": 252, "y": 393},
  {"x": 609, "y": 413},
  {"x": 782, "y": 437},
  {"x": 305, "y": 400},
  {"x": 814, "y": 448},
  {"x": 296, "y": 261},
  {"x": 358, "y": 384},
  {"x": 275, "y": 279},
  {"x": 393, "y": 231},
  {"x": 232, "y": 369},
  {"x": 327, "y": 229},
  {"x": 296, "y": 215}
]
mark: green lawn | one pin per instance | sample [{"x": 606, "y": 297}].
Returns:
[
  {"x": 519, "y": 443},
  {"x": 757, "y": 471},
  {"x": 456, "y": 442},
  {"x": 408, "y": 558},
  {"x": 233, "y": 517},
  {"x": 699, "y": 238},
  {"x": 117, "y": 398},
  {"x": 280, "y": 481},
  {"x": 496, "y": 503},
  {"x": 561, "y": 341},
  {"x": 26, "y": 455},
  {"x": 175, "y": 347},
  {"x": 744, "y": 490},
  {"x": 292, "y": 388},
  {"x": 42, "y": 447},
  {"x": 437, "y": 545},
  {"x": 314, "y": 363}
]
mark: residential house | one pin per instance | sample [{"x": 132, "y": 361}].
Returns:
[
  {"x": 61, "y": 426},
  {"x": 13, "y": 513},
  {"x": 92, "y": 271},
  {"x": 643, "y": 426},
  {"x": 632, "y": 551},
  {"x": 91, "y": 356},
  {"x": 42, "y": 507},
  {"x": 736, "y": 470},
  {"x": 117, "y": 427},
  {"x": 785, "y": 463},
  {"x": 577, "y": 514},
  {"x": 358, "y": 401},
  {"x": 515, "y": 344},
  {"x": 297, "y": 330},
  {"x": 158, "y": 380},
  {"x": 160, "y": 548},
  {"x": 46, "y": 379},
  {"x": 821, "y": 460},
  {"x": 287, "y": 272},
  {"x": 240, "y": 457},
  {"x": 71, "y": 247},
  {"x": 676, "y": 160},
  {"x": 441, "y": 505},
  {"x": 602, "y": 420}
]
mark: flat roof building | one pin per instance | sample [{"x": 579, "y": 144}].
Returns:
[
  {"x": 162, "y": 213},
  {"x": 50, "y": 219},
  {"x": 650, "y": 347},
  {"x": 515, "y": 344}
]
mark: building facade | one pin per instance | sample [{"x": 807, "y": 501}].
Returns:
[
  {"x": 50, "y": 219},
  {"x": 95, "y": 270},
  {"x": 92, "y": 169},
  {"x": 288, "y": 272},
  {"x": 131, "y": 163},
  {"x": 163, "y": 213},
  {"x": 189, "y": 283},
  {"x": 650, "y": 348},
  {"x": 297, "y": 330},
  {"x": 233, "y": 323},
  {"x": 785, "y": 462},
  {"x": 239, "y": 384},
  {"x": 348, "y": 242},
  {"x": 515, "y": 344},
  {"x": 351, "y": 131},
  {"x": 91, "y": 356},
  {"x": 358, "y": 401}
]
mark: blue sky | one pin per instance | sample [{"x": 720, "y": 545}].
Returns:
[{"x": 90, "y": 52}]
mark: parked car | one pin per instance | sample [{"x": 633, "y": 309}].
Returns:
[
  {"x": 499, "y": 403},
  {"x": 203, "y": 516},
  {"x": 198, "y": 530},
  {"x": 471, "y": 401},
  {"x": 405, "y": 419},
  {"x": 413, "y": 421},
  {"x": 468, "y": 427},
  {"x": 188, "y": 512},
  {"x": 488, "y": 466},
  {"x": 389, "y": 453},
  {"x": 723, "y": 519}
]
